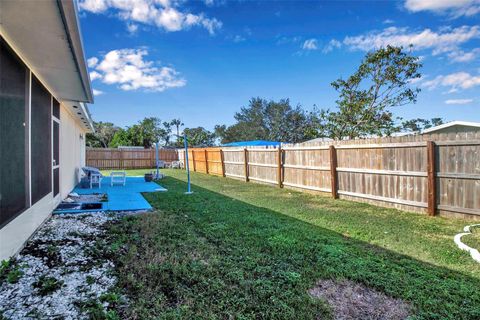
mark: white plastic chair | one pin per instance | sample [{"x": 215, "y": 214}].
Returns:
[
  {"x": 96, "y": 178},
  {"x": 119, "y": 177}
]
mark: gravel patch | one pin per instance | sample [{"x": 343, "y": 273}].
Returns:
[
  {"x": 350, "y": 300},
  {"x": 61, "y": 268}
]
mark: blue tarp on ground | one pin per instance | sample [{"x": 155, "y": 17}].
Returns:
[
  {"x": 124, "y": 198},
  {"x": 253, "y": 143}
]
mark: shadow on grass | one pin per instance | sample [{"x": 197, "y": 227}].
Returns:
[{"x": 207, "y": 255}]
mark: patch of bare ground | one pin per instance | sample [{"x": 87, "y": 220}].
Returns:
[{"x": 350, "y": 300}]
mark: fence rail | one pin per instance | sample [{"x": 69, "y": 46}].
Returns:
[
  {"x": 435, "y": 177},
  {"x": 127, "y": 158}
]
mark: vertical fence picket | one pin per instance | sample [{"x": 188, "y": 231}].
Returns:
[
  {"x": 222, "y": 159},
  {"x": 245, "y": 159},
  {"x": 206, "y": 160},
  {"x": 333, "y": 172},
  {"x": 193, "y": 161},
  {"x": 279, "y": 164},
  {"x": 431, "y": 183}
]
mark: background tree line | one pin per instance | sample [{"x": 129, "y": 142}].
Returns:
[
  {"x": 364, "y": 107},
  {"x": 366, "y": 100},
  {"x": 146, "y": 133}
]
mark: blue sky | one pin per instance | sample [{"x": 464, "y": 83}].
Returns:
[{"x": 201, "y": 61}]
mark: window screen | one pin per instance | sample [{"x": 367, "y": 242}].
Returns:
[
  {"x": 12, "y": 135},
  {"x": 56, "y": 181},
  {"x": 56, "y": 143},
  {"x": 56, "y": 109},
  {"x": 41, "y": 126}
]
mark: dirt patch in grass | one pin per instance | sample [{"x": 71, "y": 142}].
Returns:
[{"x": 350, "y": 300}]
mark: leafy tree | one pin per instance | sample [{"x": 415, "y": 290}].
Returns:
[
  {"x": 435, "y": 122},
  {"x": 315, "y": 124},
  {"x": 382, "y": 81},
  {"x": 121, "y": 138},
  {"x": 252, "y": 117},
  {"x": 198, "y": 137},
  {"x": 267, "y": 120},
  {"x": 167, "y": 132},
  {"x": 145, "y": 133},
  {"x": 220, "y": 132},
  {"x": 104, "y": 132},
  {"x": 417, "y": 125},
  {"x": 241, "y": 131}
]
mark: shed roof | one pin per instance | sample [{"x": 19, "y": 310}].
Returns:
[
  {"x": 451, "y": 124},
  {"x": 252, "y": 143}
]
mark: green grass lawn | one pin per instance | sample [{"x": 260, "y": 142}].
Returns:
[
  {"x": 473, "y": 240},
  {"x": 236, "y": 250},
  {"x": 133, "y": 172}
]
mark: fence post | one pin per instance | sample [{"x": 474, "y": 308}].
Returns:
[
  {"x": 152, "y": 158},
  {"x": 222, "y": 159},
  {"x": 245, "y": 157},
  {"x": 122, "y": 162},
  {"x": 193, "y": 160},
  {"x": 333, "y": 172},
  {"x": 206, "y": 160},
  {"x": 431, "y": 183},
  {"x": 185, "y": 159},
  {"x": 279, "y": 172}
]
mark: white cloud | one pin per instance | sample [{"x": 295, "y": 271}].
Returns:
[
  {"x": 92, "y": 62},
  {"x": 455, "y": 8},
  {"x": 458, "y": 101},
  {"x": 310, "y": 44},
  {"x": 97, "y": 92},
  {"x": 281, "y": 40},
  {"x": 132, "y": 28},
  {"x": 94, "y": 75},
  {"x": 128, "y": 69},
  {"x": 417, "y": 80},
  {"x": 238, "y": 38},
  {"x": 95, "y": 6},
  {"x": 462, "y": 56},
  {"x": 454, "y": 81},
  {"x": 161, "y": 13},
  {"x": 333, "y": 44},
  {"x": 388, "y": 21},
  {"x": 445, "y": 40}
]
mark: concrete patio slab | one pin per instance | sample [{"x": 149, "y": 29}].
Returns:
[{"x": 124, "y": 198}]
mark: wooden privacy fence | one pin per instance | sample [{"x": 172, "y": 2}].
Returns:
[
  {"x": 127, "y": 158},
  {"x": 437, "y": 177},
  {"x": 205, "y": 160}
]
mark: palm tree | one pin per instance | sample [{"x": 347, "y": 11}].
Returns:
[{"x": 177, "y": 123}]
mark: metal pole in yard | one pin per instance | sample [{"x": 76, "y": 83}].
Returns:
[
  {"x": 185, "y": 144},
  {"x": 156, "y": 160}
]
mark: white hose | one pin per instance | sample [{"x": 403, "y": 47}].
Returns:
[{"x": 458, "y": 241}]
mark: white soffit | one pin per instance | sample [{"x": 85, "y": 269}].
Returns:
[{"x": 80, "y": 111}]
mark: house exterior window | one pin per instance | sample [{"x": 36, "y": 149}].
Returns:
[
  {"x": 13, "y": 135},
  {"x": 29, "y": 137},
  {"x": 41, "y": 143},
  {"x": 56, "y": 146}
]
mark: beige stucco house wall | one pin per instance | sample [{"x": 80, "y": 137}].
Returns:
[
  {"x": 72, "y": 151},
  {"x": 40, "y": 42}
]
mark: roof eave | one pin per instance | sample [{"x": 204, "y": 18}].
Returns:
[
  {"x": 88, "y": 116},
  {"x": 69, "y": 15}
]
